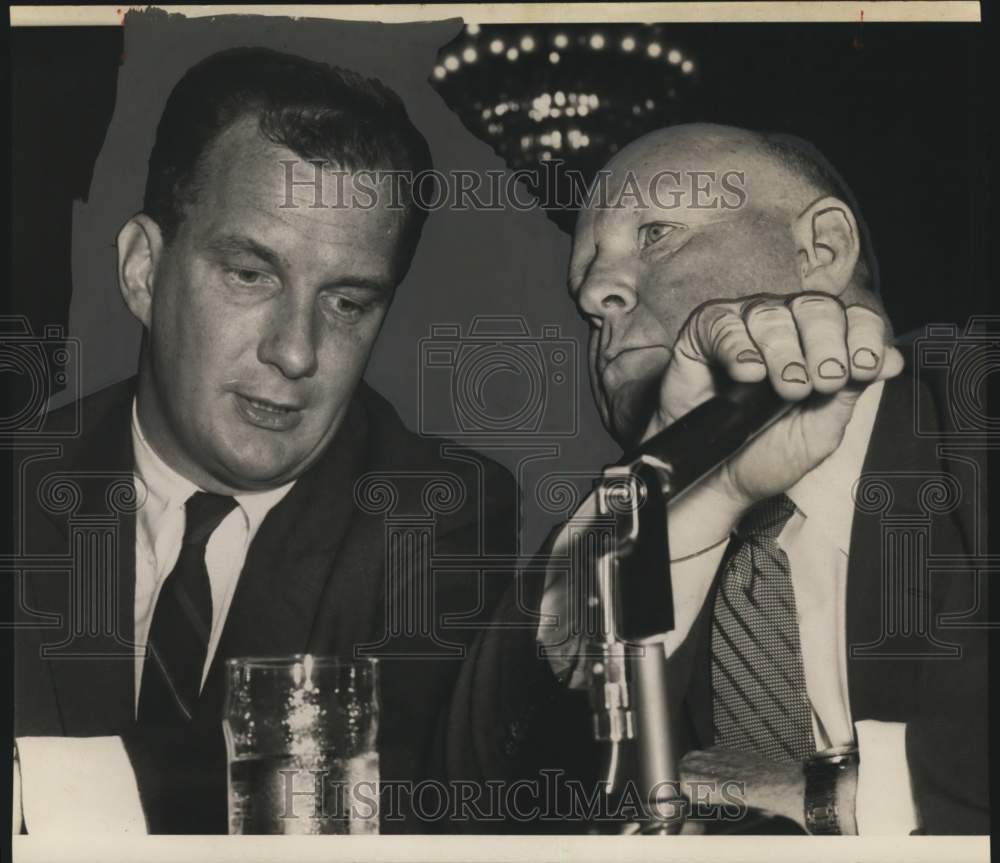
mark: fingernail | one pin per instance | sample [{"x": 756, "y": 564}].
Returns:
[
  {"x": 831, "y": 368},
  {"x": 749, "y": 356},
  {"x": 865, "y": 359},
  {"x": 795, "y": 373}
]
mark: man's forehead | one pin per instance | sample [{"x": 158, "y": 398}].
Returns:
[
  {"x": 667, "y": 194},
  {"x": 244, "y": 161},
  {"x": 674, "y": 163},
  {"x": 690, "y": 174},
  {"x": 263, "y": 180}
]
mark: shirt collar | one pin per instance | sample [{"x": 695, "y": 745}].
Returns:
[
  {"x": 827, "y": 491},
  {"x": 166, "y": 489}
]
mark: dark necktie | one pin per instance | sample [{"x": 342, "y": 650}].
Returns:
[
  {"x": 182, "y": 620},
  {"x": 760, "y": 703}
]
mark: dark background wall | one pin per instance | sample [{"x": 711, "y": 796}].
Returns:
[{"x": 897, "y": 108}]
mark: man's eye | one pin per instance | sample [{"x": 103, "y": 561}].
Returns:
[
  {"x": 346, "y": 308},
  {"x": 244, "y": 278},
  {"x": 654, "y": 232}
]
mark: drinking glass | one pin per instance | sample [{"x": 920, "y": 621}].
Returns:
[{"x": 300, "y": 738}]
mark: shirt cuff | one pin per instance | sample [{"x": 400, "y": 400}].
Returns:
[
  {"x": 561, "y": 648},
  {"x": 16, "y": 818},
  {"x": 884, "y": 804},
  {"x": 78, "y": 785}
]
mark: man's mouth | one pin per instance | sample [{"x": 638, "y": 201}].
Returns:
[
  {"x": 606, "y": 361},
  {"x": 267, "y": 414},
  {"x": 266, "y": 405}
]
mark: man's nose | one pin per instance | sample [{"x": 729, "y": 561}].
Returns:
[
  {"x": 290, "y": 343},
  {"x": 608, "y": 291}
]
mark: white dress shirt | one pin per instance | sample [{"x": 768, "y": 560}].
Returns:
[
  {"x": 160, "y": 530},
  {"x": 816, "y": 540}
]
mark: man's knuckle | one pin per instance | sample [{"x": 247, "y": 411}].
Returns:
[
  {"x": 777, "y": 340},
  {"x": 763, "y": 305},
  {"x": 772, "y": 325},
  {"x": 862, "y": 315},
  {"x": 812, "y": 300},
  {"x": 728, "y": 333},
  {"x": 700, "y": 318}
]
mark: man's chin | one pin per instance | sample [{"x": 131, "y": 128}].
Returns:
[
  {"x": 257, "y": 474},
  {"x": 631, "y": 409}
]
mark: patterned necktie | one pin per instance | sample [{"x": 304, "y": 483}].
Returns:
[
  {"x": 760, "y": 703},
  {"x": 182, "y": 620}
]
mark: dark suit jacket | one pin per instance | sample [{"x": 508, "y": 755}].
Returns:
[
  {"x": 315, "y": 580},
  {"x": 914, "y": 618}
]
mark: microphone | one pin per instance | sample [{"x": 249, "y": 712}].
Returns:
[
  {"x": 634, "y": 701},
  {"x": 712, "y": 433},
  {"x": 659, "y": 471}
]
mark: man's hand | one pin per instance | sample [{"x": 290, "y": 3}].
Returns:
[
  {"x": 773, "y": 788},
  {"x": 812, "y": 348}
]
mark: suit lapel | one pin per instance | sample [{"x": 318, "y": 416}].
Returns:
[
  {"x": 93, "y": 666},
  {"x": 884, "y": 671},
  {"x": 864, "y": 568},
  {"x": 290, "y": 561}
]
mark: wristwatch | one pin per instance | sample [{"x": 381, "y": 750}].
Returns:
[{"x": 822, "y": 771}]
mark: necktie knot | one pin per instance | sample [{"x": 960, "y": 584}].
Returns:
[
  {"x": 203, "y": 512},
  {"x": 765, "y": 519}
]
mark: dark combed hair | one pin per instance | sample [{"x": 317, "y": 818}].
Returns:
[
  {"x": 806, "y": 162},
  {"x": 317, "y": 111}
]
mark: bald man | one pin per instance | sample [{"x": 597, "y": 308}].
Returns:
[{"x": 794, "y": 687}]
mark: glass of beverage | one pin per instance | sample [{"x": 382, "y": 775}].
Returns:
[{"x": 300, "y": 739}]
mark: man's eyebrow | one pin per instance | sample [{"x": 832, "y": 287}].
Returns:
[
  {"x": 238, "y": 243},
  {"x": 370, "y": 283}
]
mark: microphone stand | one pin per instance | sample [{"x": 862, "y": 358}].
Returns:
[
  {"x": 630, "y": 691},
  {"x": 633, "y": 705}
]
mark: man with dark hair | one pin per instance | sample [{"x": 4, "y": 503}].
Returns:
[
  {"x": 319, "y": 112},
  {"x": 822, "y": 675},
  {"x": 240, "y": 445}
]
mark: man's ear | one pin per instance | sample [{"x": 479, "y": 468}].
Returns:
[
  {"x": 140, "y": 245},
  {"x": 828, "y": 242}
]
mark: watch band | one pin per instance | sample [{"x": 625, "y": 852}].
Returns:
[{"x": 822, "y": 771}]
